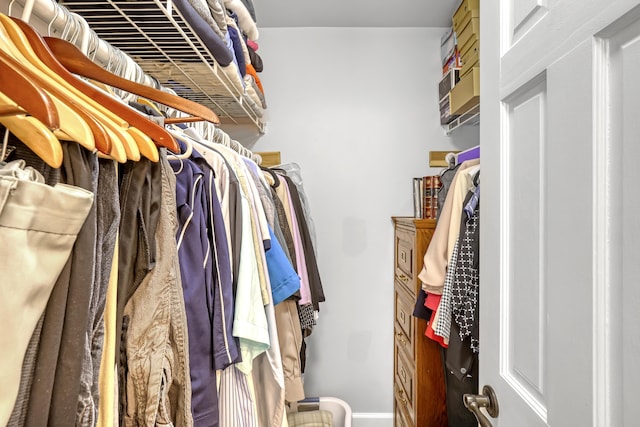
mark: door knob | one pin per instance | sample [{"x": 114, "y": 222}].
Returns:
[{"x": 487, "y": 400}]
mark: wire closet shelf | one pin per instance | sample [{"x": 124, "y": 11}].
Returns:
[{"x": 158, "y": 39}]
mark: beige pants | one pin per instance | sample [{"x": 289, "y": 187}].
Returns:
[
  {"x": 38, "y": 227},
  {"x": 158, "y": 385}
]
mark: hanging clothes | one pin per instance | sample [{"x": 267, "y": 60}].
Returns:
[
  {"x": 450, "y": 277},
  {"x": 156, "y": 339},
  {"x": 38, "y": 241},
  {"x": 177, "y": 296}
]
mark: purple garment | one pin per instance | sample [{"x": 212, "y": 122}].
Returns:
[
  {"x": 206, "y": 279},
  {"x": 471, "y": 153},
  {"x": 470, "y": 207}
]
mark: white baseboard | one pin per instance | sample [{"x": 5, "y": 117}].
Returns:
[{"x": 372, "y": 419}]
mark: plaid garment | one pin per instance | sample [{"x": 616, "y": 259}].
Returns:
[
  {"x": 466, "y": 282},
  {"x": 443, "y": 324},
  {"x": 319, "y": 418},
  {"x": 307, "y": 316}
]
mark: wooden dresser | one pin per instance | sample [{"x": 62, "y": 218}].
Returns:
[{"x": 418, "y": 380}]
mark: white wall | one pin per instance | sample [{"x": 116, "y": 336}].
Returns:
[{"x": 357, "y": 109}]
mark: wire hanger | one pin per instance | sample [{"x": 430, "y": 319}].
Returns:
[{"x": 76, "y": 62}]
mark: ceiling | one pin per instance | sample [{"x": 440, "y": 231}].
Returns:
[{"x": 354, "y": 13}]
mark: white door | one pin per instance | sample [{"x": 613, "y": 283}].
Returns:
[{"x": 560, "y": 242}]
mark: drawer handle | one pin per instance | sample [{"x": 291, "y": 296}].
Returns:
[
  {"x": 402, "y": 398},
  {"x": 401, "y": 338}
]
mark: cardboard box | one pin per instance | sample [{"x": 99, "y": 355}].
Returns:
[
  {"x": 448, "y": 82},
  {"x": 468, "y": 34},
  {"x": 470, "y": 60},
  {"x": 466, "y": 93},
  {"x": 468, "y": 9}
]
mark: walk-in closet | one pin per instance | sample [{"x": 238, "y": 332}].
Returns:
[{"x": 265, "y": 213}]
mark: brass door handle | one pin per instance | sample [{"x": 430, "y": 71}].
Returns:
[{"x": 487, "y": 400}]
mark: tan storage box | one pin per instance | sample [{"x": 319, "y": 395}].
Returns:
[
  {"x": 466, "y": 93},
  {"x": 469, "y": 60},
  {"x": 469, "y": 35},
  {"x": 468, "y": 9}
]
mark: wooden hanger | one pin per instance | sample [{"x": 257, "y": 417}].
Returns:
[
  {"x": 72, "y": 126},
  {"x": 34, "y": 134},
  {"x": 76, "y": 62},
  {"x": 27, "y": 96},
  {"x": 153, "y": 106},
  {"x": 114, "y": 126},
  {"x": 135, "y": 119}
]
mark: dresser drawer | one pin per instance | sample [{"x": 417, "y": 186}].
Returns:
[
  {"x": 404, "y": 321},
  {"x": 418, "y": 376},
  {"x": 404, "y": 383},
  {"x": 403, "y": 342},
  {"x": 401, "y": 419},
  {"x": 404, "y": 248}
]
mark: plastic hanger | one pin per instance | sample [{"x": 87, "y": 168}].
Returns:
[
  {"x": 76, "y": 62},
  {"x": 147, "y": 127},
  {"x": 34, "y": 134},
  {"x": 187, "y": 152},
  {"x": 273, "y": 175},
  {"x": 114, "y": 126}
]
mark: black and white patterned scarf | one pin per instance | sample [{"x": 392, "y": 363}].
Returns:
[{"x": 465, "y": 287}]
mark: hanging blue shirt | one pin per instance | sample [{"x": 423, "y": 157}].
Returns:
[{"x": 284, "y": 279}]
